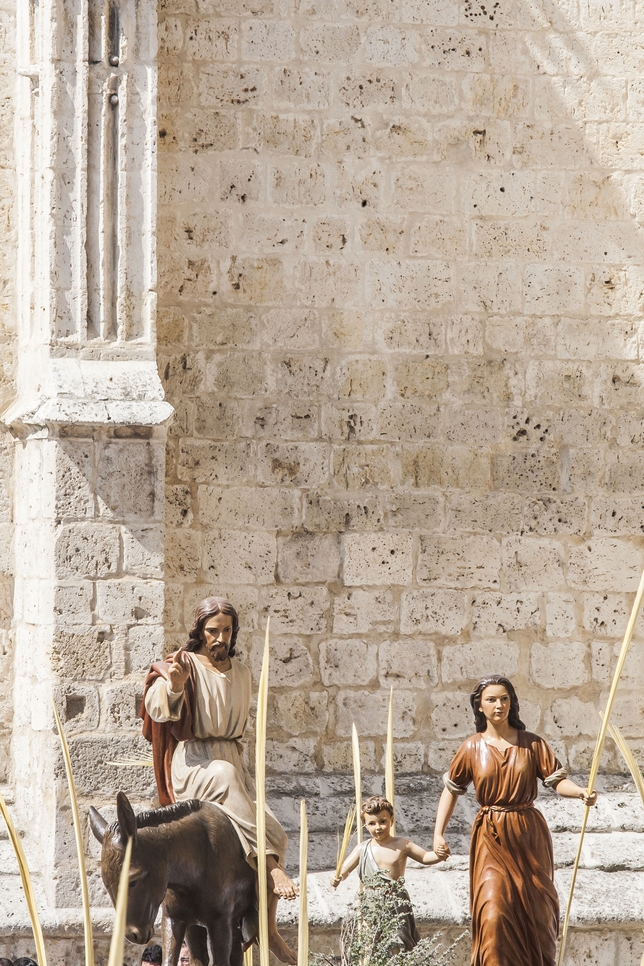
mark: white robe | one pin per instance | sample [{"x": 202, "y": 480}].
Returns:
[{"x": 211, "y": 767}]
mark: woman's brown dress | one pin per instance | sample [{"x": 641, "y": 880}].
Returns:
[{"x": 514, "y": 904}]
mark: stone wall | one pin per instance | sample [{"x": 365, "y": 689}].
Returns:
[
  {"x": 400, "y": 300},
  {"x": 7, "y": 367}
]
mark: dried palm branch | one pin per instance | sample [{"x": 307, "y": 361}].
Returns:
[
  {"x": 78, "y": 836},
  {"x": 118, "y": 933},
  {"x": 27, "y": 884},
  {"x": 601, "y": 737},
  {"x": 144, "y": 761},
  {"x": 260, "y": 782},
  {"x": 346, "y": 838},
  {"x": 303, "y": 928},
  {"x": 357, "y": 778},
  {"x": 389, "y": 759},
  {"x": 629, "y": 758}
]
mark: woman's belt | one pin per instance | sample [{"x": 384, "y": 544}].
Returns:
[{"x": 505, "y": 808}]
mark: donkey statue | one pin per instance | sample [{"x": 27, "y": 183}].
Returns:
[{"x": 188, "y": 859}]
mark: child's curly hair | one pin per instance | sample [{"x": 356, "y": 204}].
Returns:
[{"x": 376, "y": 804}]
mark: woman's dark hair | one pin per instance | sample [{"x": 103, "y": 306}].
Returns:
[
  {"x": 206, "y": 609},
  {"x": 475, "y": 700}
]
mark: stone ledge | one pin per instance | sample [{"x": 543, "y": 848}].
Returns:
[{"x": 440, "y": 898}]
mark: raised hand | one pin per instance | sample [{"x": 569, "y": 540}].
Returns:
[{"x": 179, "y": 672}]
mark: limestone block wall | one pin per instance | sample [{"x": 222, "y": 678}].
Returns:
[
  {"x": 400, "y": 321},
  {"x": 7, "y": 366}
]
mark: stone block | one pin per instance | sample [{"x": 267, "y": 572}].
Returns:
[
  {"x": 620, "y": 384},
  {"x": 331, "y": 513},
  {"x": 496, "y": 614},
  {"x": 77, "y": 707},
  {"x": 182, "y": 555},
  {"x": 120, "y": 707},
  {"x": 84, "y": 654},
  {"x": 487, "y": 513},
  {"x": 130, "y": 480},
  {"x": 619, "y": 516},
  {"x": 532, "y": 336},
  {"x": 330, "y": 234},
  {"x": 328, "y": 282},
  {"x": 559, "y": 666},
  {"x": 404, "y": 137},
  {"x": 410, "y": 331},
  {"x": 291, "y": 663},
  {"x": 624, "y": 471},
  {"x": 210, "y": 462},
  {"x": 273, "y": 234},
  {"x": 603, "y": 661},
  {"x": 301, "y": 88},
  {"x": 297, "y": 184},
  {"x": 561, "y": 615},
  {"x": 212, "y": 40},
  {"x": 570, "y": 717},
  {"x": 296, "y": 756},
  {"x": 282, "y": 134},
  {"x": 547, "y": 514},
  {"x": 330, "y": 43},
  {"x": 347, "y": 137},
  {"x": 519, "y": 240},
  {"x": 178, "y": 506},
  {"x": 240, "y": 181},
  {"x": 337, "y": 756},
  {"x": 536, "y": 469},
  {"x": 85, "y": 550},
  {"x": 443, "y": 612},
  {"x": 377, "y": 558},
  {"x": 353, "y": 421},
  {"x": 391, "y": 46},
  {"x": 412, "y": 189},
  {"x": 143, "y": 551},
  {"x": 505, "y": 194},
  {"x": 409, "y": 511},
  {"x": 486, "y": 382},
  {"x": 343, "y": 329},
  {"x": 530, "y": 563},
  {"x": 369, "y": 89},
  {"x": 300, "y": 464},
  {"x": 308, "y": 557},
  {"x": 75, "y": 479},
  {"x": 225, "y": 87},
  {"x": 458, "y": 50},
  {"x": 364, "y": 611},
  {"x": 361, "y": 378},
  {"x": 144, "y": 647},
  {"x": 297, "y": 610},
  {"x": 358, "y": 467},
  {"x": 368, "y": 711},
  {"x": 236, "y": 556},
  {"x": 407, "y": 664},
  {"x": 258, "y": 281},
  {"x": 268, "y": 40},
  {"x": 409, "y": 284},
  {"x": 464, "y": 467},
  {"x": 479, "y": 426},
  {"x": 452, "y": 716},
  {"x": 291, "y": 329},
  {"x": 607, "y": 614},
  {"x": 465, "y": 335},
  {"x": 288, "y": 419},
  {"x": 129, "y": 601},
  {"x": 348, "y": 662},
  {"x": 94, "y": 774},
  {"x": 448, "y": 561},
  {"x": 72, "y": 602},
  {"x": 437, "y": 236},
  {"x": 299, "y": 712},
  {"x": 260, "y": 508},
  {"x": 605, "y": 564},
  {"x": 420, "y": 378},
  {"x": 429, "y": 94},
  {"x": 471, "y": 662}
]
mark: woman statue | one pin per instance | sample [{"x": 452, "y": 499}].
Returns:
[
  {"x": 513, "y": 900},
  {"x": 195, "y": 711}
]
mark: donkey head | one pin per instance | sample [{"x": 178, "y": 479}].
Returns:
[{"x": 148, "y": 872}]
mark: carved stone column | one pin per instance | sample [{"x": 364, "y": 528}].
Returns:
[{"x": 90, "y": 414}]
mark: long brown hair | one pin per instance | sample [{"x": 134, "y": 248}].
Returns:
[
  {"x": 207, "y": 608},
  {"x": 475, "y": 700}
]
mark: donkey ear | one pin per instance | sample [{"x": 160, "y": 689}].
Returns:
[
  {"x": 97, "y": 823},
  {"x": 126, "y": 818}
]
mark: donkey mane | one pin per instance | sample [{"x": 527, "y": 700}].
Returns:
[{"x": 169, "y": 813}]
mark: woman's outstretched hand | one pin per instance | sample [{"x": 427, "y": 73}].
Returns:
[{"x": 179, "y": 672}]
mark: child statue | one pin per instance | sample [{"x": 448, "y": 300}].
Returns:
[{"x": 384, "y": 857}]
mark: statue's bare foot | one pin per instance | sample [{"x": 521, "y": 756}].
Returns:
[
  {"x": 280, "y": 949},
  {"x": 282, "y": 886}
]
